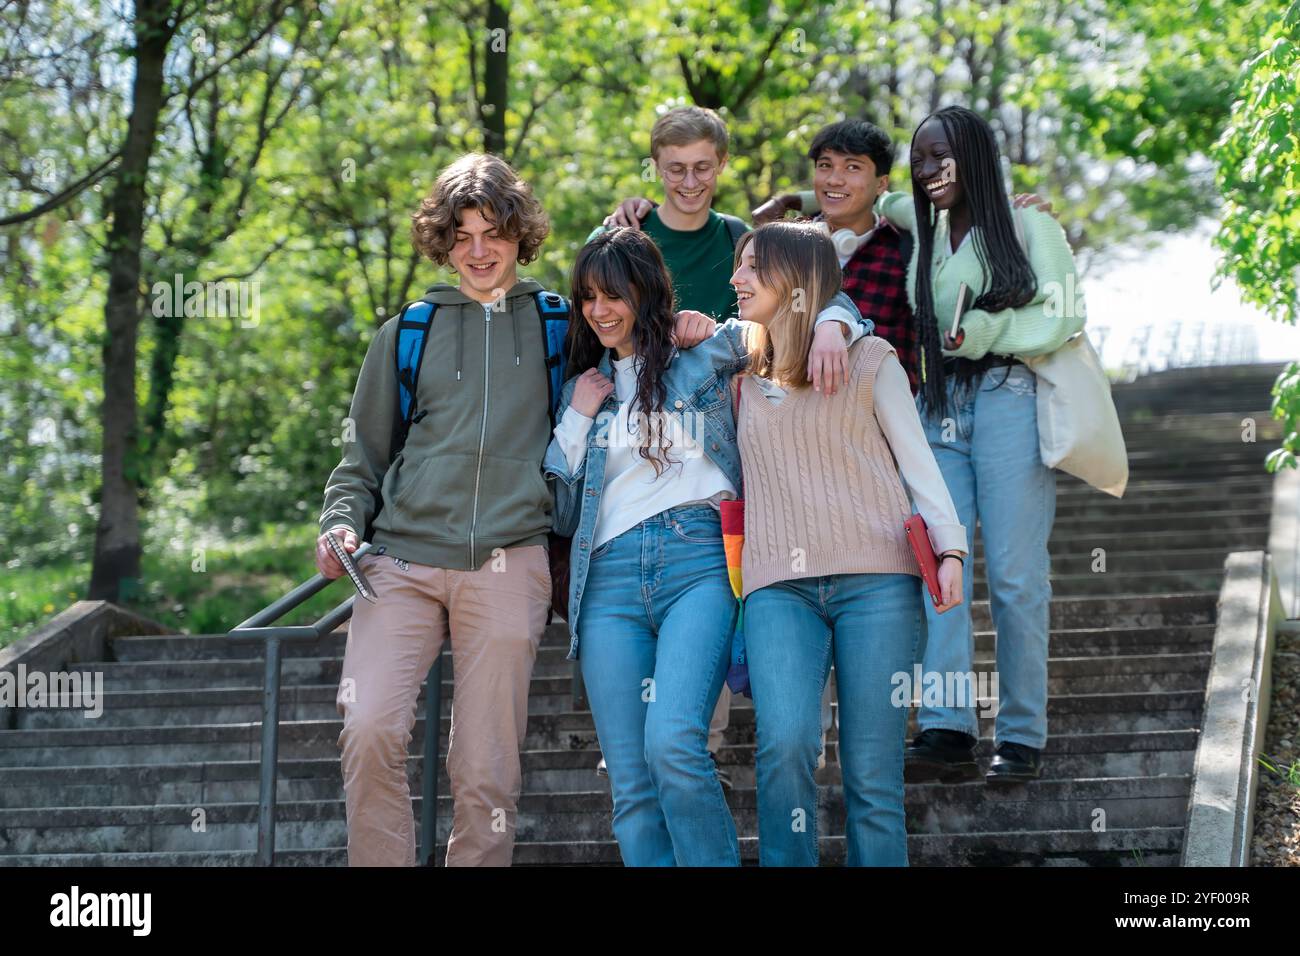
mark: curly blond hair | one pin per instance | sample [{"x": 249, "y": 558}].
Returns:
[{"x": 487, "y": 183}]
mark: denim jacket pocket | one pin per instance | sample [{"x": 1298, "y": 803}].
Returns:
[{"x": 710, "y": 396}]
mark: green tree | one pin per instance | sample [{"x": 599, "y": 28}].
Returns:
[{"x": 1258, "y": 156}]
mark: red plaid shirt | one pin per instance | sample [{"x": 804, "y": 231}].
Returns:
[{"x": 875, "y": 278}]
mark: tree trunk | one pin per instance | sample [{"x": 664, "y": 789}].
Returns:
[
  {"x": 892, "y": 83},
  {"x": 936, "y": 87},
  {"x": 115, "y": 571},
  {"x": 496, "y": 73}
]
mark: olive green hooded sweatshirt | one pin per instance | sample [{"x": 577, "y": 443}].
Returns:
[{"x": 469, "y": 479}]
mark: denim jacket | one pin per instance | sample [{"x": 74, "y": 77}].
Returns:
[{"x": 697, "y": 385}]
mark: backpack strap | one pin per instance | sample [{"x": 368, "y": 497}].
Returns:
[
  {"x": 413, "y": 324},
  {"x": 553, "y": 311},
  {"x": 735, "y": 227}
]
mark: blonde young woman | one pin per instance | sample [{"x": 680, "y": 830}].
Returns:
[{"x": 828, "y": 573}]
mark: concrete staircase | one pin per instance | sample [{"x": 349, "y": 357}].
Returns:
[{"x": 1130, "y": 652}]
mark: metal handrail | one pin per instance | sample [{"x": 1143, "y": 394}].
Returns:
[{"x": 260, "y": 627}]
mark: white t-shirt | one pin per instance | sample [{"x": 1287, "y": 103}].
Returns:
[{"x": 632, "y": 491}]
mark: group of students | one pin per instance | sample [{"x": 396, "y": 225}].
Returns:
[{"x": 803, "y": 366}]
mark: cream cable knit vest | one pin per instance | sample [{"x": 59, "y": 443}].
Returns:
[{"x": 822, "y": 491}]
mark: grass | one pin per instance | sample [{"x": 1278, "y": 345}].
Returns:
[
  {"x": 1279, "y": 769},
  {"x": 235, "y": 579}
]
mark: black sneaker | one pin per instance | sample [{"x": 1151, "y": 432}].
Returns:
[
  {"x": 1014, "y": 763},
  {"x": 947, "y": 756},
  {"x": 724, "y": 777},
  {"x": 600, "y": 767}
]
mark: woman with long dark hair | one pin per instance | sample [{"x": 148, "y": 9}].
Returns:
[
  {"x": 644, "y": 452},
  {"x": 978, "y": 402}
]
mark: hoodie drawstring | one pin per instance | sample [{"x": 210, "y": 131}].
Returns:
[
  {"x": 460, "y": 342},
  {"x": 460, "y": 345},
  {"x": 514, "y": 323}
]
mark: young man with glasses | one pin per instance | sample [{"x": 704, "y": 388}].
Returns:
[{"x": 689, "y": 148}]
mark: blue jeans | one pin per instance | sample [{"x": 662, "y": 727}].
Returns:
[
  {"x": 988, "y": 454},
  {"x": 655, "y": 631},
  {"x": 868, "y": 624}
]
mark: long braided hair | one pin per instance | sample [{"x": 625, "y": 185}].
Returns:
[
  {"x": 1009, "y": 279},
  {"x": 627, "y": 264}
]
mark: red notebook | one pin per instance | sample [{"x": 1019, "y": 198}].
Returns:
[{"x": 918, "y": 536}]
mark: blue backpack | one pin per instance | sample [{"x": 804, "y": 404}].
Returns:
[{"x": 413, "y": 333}]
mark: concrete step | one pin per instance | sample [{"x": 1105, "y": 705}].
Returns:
[
  {"x": 1134, "y": 582},
  {"x": 1132, "y": 802},
  {"x": 1209, "y": 522},
  {"x": 545, "y": 771},
  {"x": 1149, "y": 846},
  {"x": 103, "y": 745},
  {"x": 178, "y": 655},
  {"x": 190, "y": 706},
  {"x": 1090, "y": 611},
  {"x": 1117, "y": 641},
  {"x": 1172, "y": 507},
  {"x": 137, "y": 684},
  {"x": 1185, "y": 476},
  {"x": 1119, "y": 565},
  {"x": 552, "y": 661},
  {"x": 1118, "y": 539},
  {"x": 1069, "y": 488}
]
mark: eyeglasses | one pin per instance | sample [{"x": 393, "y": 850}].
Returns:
[{"x": 676, "y": 172}]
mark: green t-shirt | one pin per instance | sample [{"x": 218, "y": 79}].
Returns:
[{"x": 700, "y": 262}]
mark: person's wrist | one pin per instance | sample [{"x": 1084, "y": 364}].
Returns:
[{"x": 954, "y": 554}]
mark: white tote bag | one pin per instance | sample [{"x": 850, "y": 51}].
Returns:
[{"x": 1078, "y": 427}]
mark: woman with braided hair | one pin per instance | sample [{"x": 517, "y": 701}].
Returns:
[{"x": 978, "y": 403}]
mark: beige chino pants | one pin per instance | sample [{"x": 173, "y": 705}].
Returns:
[{"x": 494, "y": 618}]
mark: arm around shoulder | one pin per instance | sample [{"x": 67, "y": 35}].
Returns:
[{"x": 898, "y": 208}]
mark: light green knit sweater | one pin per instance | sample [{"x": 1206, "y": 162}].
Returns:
[{"x": 1040, "y": 326}]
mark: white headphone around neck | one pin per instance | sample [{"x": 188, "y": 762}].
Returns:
[{"x": 846, "y": 241}]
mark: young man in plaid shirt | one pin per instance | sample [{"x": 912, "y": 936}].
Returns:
[{"x": 851, "y": 162}]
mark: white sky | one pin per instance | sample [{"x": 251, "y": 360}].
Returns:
[{"x": 1169, "y": 288}]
